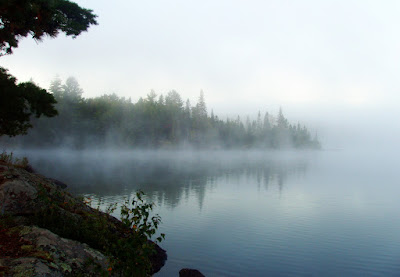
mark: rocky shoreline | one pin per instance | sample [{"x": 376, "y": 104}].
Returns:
[{"x": 46, "y": 231}]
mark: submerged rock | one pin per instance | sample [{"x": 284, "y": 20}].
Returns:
[{"x": 188, "y": 272}]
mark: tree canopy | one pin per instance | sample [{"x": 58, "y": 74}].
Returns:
[
  {"x": 38, "y": 18},
  {"x": 20, "y": 18},
  {"x": 19, "y": 102}
]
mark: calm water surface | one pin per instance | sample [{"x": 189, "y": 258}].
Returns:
[{"x": 249, "y": 213}]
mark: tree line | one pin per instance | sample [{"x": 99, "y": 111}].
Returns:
[{"x": 155, "y": 121}]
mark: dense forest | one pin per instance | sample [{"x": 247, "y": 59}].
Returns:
[{"x": 156, "y": 121}]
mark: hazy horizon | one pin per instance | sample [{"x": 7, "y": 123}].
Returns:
[{"x": 331, "y": 65}]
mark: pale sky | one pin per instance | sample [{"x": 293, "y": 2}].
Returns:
[{"x": 329, "y": 64}]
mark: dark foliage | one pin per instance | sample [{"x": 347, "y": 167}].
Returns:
[
  {"x": 19, "y": 102},
  {"x": 20, "y": 18}
]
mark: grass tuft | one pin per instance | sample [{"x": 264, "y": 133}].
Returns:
[{"x": 10, "y": 159}]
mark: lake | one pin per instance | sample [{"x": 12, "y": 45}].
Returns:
[{"x": 253, "y": 213}]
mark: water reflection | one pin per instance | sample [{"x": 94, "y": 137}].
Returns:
[
  {"x": 255, "y": 213},
  {"x": 166, "y": 177}
]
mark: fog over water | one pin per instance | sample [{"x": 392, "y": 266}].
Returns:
[{"x": 254, "y": 213}]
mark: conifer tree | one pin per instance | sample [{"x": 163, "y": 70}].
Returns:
[{"x": 37, "y": 18}]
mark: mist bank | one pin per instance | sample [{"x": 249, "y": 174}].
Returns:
[
  {"x": 165, "y": 175},
  {"x": 154, "y": 122}
]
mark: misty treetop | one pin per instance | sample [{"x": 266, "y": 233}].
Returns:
[{"x": 155, "y": 121}]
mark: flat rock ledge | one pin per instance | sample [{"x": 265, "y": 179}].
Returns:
[{"x": 43, "y": 253}]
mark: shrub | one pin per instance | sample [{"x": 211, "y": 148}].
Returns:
[
  {"x": 9, "y": 159},
  {"x": 133, "y": 252}
]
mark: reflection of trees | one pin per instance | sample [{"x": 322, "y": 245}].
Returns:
[{"x": 166, "y": 180}]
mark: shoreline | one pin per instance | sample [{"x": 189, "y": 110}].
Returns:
[{"x": 50, "y": 231}]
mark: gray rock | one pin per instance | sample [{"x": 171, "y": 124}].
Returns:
[
  {"x": 16, "y": 197},
  {"x": 52, "y": 255},
  {"x": 58, "y": 183}
]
